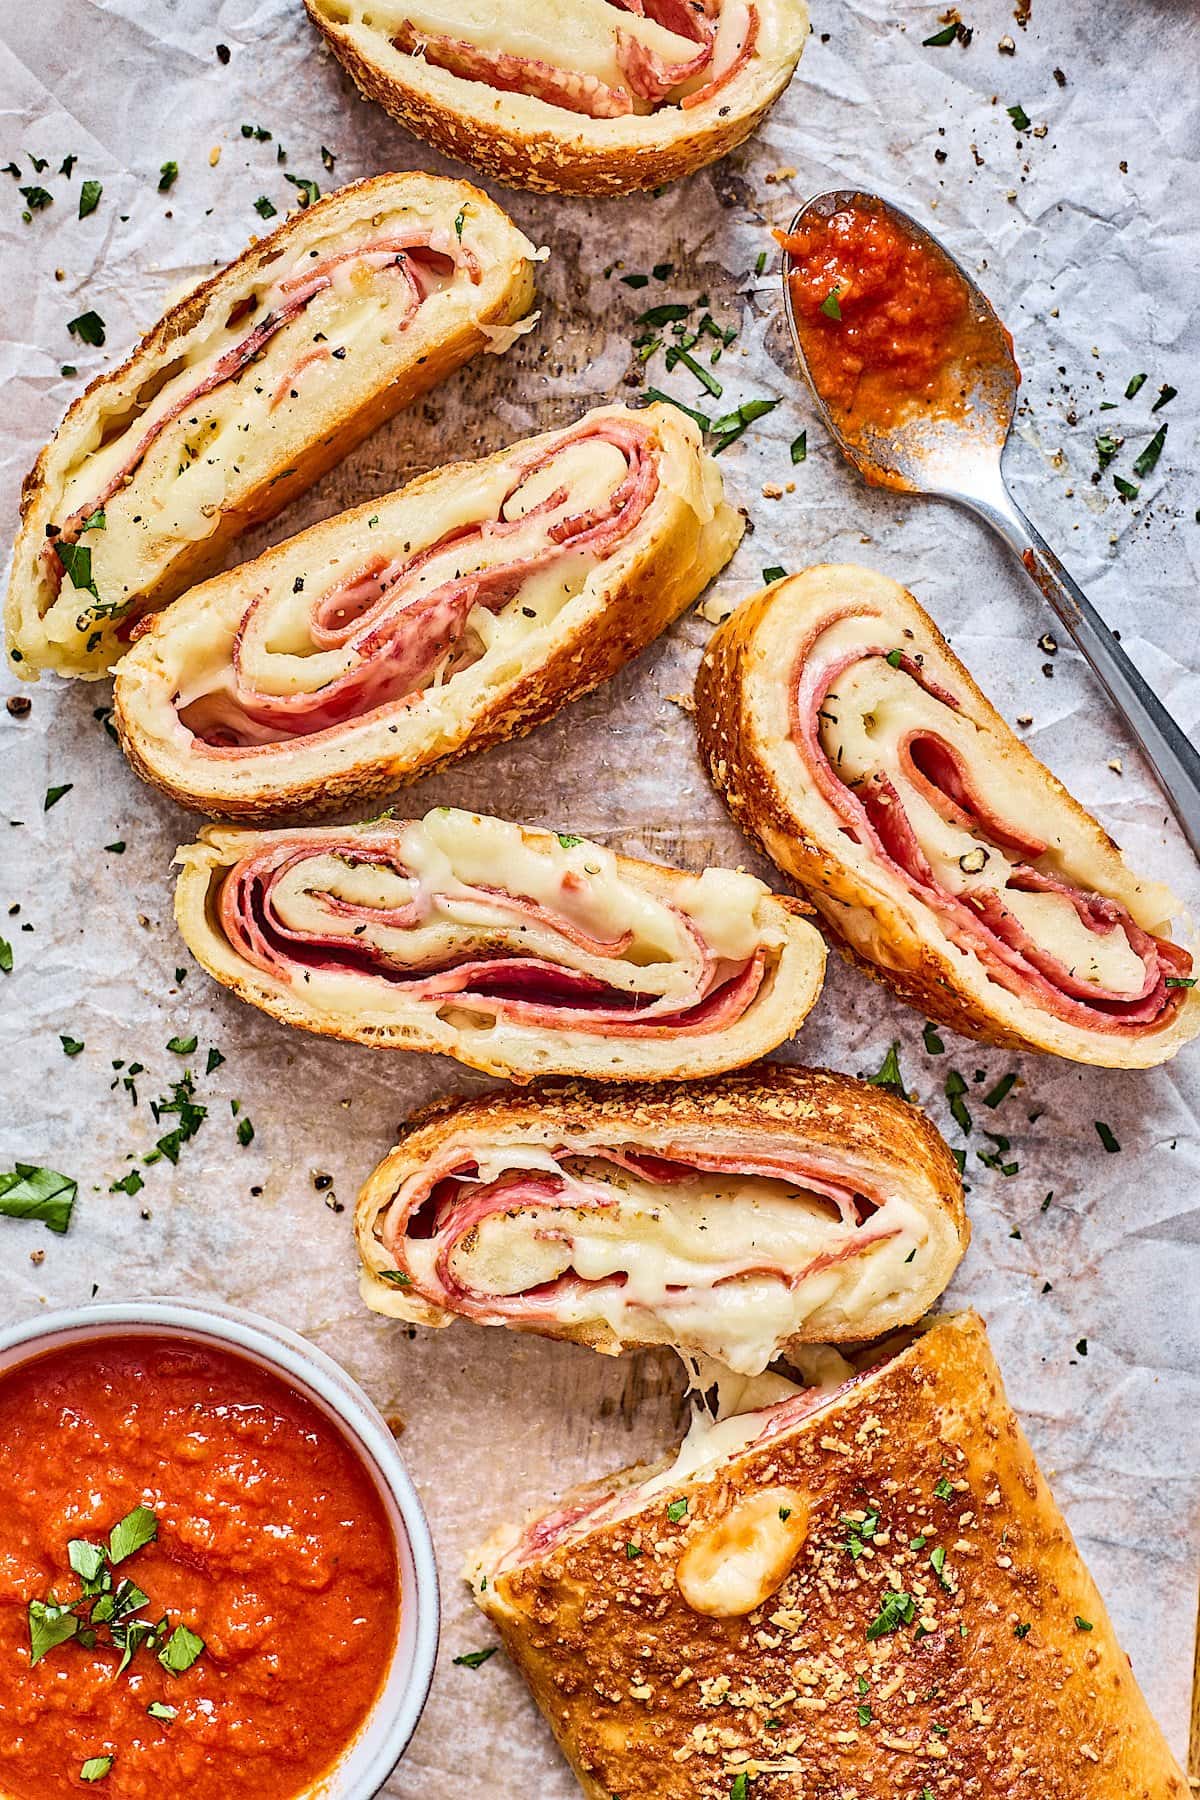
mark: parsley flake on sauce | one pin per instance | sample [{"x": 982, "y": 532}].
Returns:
[
  {"x": 137, "y": 1529},
  {"x": 158, "y": 1709},
  {"x": 831, "y": 305},
  {"x": 27, "y": 1192},
  {"x": 50, "y": 1624},
  {"x": 897, "y": 1609},
  {"x": 180, "y": 1651},
  {"x": 96, "y": 1768}
]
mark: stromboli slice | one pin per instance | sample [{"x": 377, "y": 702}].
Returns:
[
  {"x": 861, "y": 1590},
  {"x": 591, "y": 97},
  {"x": 943, "y": 857},
  {"x": 729, "y": 1218},
  {"x": 244, "y": 393},
  {"x": 462, "y": 610},
  {"x": 519, "y": 952}
]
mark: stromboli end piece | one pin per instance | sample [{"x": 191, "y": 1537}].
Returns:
[
  {"x": 906, "y": 1608},
  {"x": 940, "y": 854},
  {"x": 731, "y": 1218},
  {"x": 247, "y": 390},
  {"x": 590, "y": 98},
  {"x": 442, "y": 619},
  {"x": 518, "y": 952}
]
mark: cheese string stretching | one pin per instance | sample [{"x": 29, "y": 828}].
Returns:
[{"x": 735, "y": 1218}]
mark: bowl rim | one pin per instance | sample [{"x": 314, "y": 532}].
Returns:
[{"x": 385, "y": 1734}]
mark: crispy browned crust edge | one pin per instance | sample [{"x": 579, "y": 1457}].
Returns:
[
  {"x": 666, "y": 578},
  {"x": 207, "y": 554},
  {"x": 819, "y": 1107},
  {"x": 627, "y": 1675},
  {"x": 742, "y": 776},
  {"x": 548, "y": 162}
]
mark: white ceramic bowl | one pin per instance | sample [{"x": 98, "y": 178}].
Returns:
[{"x": 370, "y": 1758}]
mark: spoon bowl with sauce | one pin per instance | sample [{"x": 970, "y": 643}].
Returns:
[{"x": 914, "y": 375}]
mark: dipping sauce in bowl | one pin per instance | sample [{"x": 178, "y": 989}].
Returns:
[
  {"x": 886, "y": 325},
  {"x": 251, "y": 1585}
]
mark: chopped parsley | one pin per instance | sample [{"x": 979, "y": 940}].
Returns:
[
  {"x": 245, "y": 1132},
  {"x": 774, "y": 573},
  {"x": 568, "y": 840},
  {"x": 117, "y": 848},
  {"x": 96, "y": 1768},
  {"x": 36, "y": 200},
  {"x": 1128, "y": 490},
  {"x": 475, "y": 1659},
  {"x": 1107, "y": 1136},
  {"x": 1166, "y": 394},
  {"x": 158, "y": 1709},
  {"x": 1023, "y": 1630},
  {"x": 309, "y": 191},
  {"x": 71, "y": 1045},
  {"x": 76, "y": 560},
  {"x": 740, "y": 1787},
  {"x": 167, "y": 176},
  {"x": 942, "y": 1489},
  {"x": 137, "y": 1529},
  {"x": 55, "y": 794},
  {"x": 265, "y": 208},
  {"x": 1001, "y": 1091},
  {"x": 937, "y": 1562},
  {"x": 1019, "y": 117},
  {"x": 730, "y": 426},
  {"x": 1150, "y": 455},
  {"x": 933, "y": 1043},
  {"x": 897, "y": 1609},
  {"x": 949, "y": 34},
  {"x": 894, "y": 658},
  {"x": 1106, "y": 448},
  {"x": 831, "y": 305},
  {"x": 180, "y": 1651},
  {"x": 1180, "y": 981},
  {"x": 800, "y": 448},
  {"x": 88, "y": 328},
  {"x": 179, "y": 1046},
  {"x": 89, "y": 198},
  {"x": 213, "y": 1060},
  {"x": 28, "y": 1192},
  {"x": 1083, "y": 1624},
  {"x": 632, "y": 1552},
  {"x": 397, "y": 1277},
  {"x": 1136, "y": 383},
  {"x": 888, "y": 1075},
  {"x": 677, "y": 1510},
  {"x": 956, "y": 1087}
]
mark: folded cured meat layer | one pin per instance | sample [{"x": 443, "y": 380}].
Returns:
[
  {"x": 728, "y": 1218},
  {"x": 937, "y": 849},
  {"x": 521, "y": 952},
  {"x": 247, "y": 390},
  {"x": 442, "y": 618},
  {"x": 592, "y": 96},
  {"x": 827, "y": 1591}
]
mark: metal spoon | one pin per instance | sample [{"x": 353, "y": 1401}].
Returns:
[{"x": 961, "y": 458}]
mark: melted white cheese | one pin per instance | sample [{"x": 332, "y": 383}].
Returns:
[
  {"x": 712, "y": 1236},
  {"x": 871, "y": 710}
]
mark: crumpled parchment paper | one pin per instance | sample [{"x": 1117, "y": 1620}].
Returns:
[{"x": 1084, "y": 230}]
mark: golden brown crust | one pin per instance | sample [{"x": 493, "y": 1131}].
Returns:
[
  {"x": 200, "y": 558},
  {"x": 730, "y": 684},
  {"x": 671, "y": 565},
  {"x": 789, "y": 990},
  {"x": 804, "y": 1110},
  {"x": 1005, "y": 1680},
  {"x": 562, "y": 153}
]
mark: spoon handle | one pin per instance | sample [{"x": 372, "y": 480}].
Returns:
[{"x": 1170, "y": 753}]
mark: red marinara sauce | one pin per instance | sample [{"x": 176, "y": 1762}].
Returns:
[
  {"x": 272, "y": 1545},
  {"x": 906, "y": 327}
]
